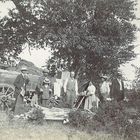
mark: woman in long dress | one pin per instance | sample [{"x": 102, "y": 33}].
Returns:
[{"x": 91, "y": 99}]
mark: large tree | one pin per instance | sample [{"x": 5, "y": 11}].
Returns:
[{"x": 91, "y": 36}]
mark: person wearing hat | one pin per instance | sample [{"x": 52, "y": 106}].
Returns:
[
  {"x": 39, "y": 87},
  {"x": 20, "y": 88},
  {"x": 46, "y": 92},
  {"x": 105, "y": 88}
]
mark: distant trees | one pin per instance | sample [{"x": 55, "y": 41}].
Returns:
[
  {"x": 136, "y": 81},
  {"x": 92, "y": 37}
]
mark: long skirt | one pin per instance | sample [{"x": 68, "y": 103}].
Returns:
[
  {"x": 88, "y": 102},
  {"x": 19, "y": 106}
]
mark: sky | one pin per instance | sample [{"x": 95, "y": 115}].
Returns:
[{"x": 39, "y": 57}]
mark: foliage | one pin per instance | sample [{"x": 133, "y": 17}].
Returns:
[
  {"x": 36, "y": 115},
  {"x": 90, "y": 36},
  {"x": 79, "y": 118},
  {"x": 111, "y": 117},
  {"x": 136, "y": 81}
]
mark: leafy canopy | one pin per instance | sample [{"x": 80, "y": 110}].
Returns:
[{"x": 90, "y": 36}]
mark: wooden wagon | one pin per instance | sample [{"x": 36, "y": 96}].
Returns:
[
  {"x": 7, "y": 79},
  {"x": 7, "y": 89}
]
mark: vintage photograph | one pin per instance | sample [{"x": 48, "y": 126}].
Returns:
[{"x": 69, "y": 69}]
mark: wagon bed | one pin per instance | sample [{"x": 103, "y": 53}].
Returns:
[{"x": 7, "y": 79}]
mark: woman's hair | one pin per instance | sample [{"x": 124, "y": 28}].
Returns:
[{"x": 87, "y": 84}]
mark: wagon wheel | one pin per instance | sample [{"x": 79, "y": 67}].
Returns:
[{"x": 6, "y": 92}]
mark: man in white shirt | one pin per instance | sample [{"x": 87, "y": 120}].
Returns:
[
  {"x": 57, "y": 87},
  {"x": 105, "y": 88}
]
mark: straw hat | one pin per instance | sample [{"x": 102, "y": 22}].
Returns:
[
  {"x": 105, "y": 77},
  {"x": 24, "y": 68},
  {"x": 46, "y": 81},
  {"x": 45, "y": 71}
]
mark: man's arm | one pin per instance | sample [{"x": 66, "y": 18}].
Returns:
[
  {"x": 65, "y": 85},
  {"x": 39, "y": 85},
  {"x": 17, "y": 82},
  {"x": 27, "y": 80},
  {"x": 108, "y": 87},
  {"x": 76, "y": 87}
]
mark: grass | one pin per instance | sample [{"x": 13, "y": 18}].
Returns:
[{"x": 21, "y": 130}]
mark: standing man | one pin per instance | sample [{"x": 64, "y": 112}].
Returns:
[
  {"x": 20, "y": 88},
  {"x": 117, "y": 89},
  {"x": 71, "y": 90},
  {"x": 39, "y": 86}
]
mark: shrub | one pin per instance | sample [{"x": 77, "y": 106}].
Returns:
[
  {"x": 36, "y": 115},
  {"x": 78, "y": 118},
  {"x": 83, "y": 120},
  {"x": 117, "y": 120},
  {"x": 111, "y": 117}
]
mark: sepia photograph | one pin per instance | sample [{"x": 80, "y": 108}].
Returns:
[{"x": 69, "y": 69}]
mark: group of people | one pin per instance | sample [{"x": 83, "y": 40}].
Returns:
[
  {"x": 109, "y": 89},
  {"x": 44, "y": 90},
  {"x": 112, "y": 89},
  {"x": 68, "y": 90}
]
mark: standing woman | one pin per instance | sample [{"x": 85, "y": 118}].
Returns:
[
  {"x": 20, "y": 84},
  {"x": 91, "y": 99}
]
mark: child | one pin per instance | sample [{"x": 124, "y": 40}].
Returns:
[
  {"x": 34, "y": 100},
  {"x": 46, "y": 92}
]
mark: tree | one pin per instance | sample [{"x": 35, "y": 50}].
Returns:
[
  {"x": 136, "y": 81},
  {"x": 92, "y": 36}
]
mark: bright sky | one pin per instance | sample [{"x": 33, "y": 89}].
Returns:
[{"x": 39, "y": 57}]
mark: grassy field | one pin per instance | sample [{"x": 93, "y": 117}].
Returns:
[{"x": 21, "y": 130}]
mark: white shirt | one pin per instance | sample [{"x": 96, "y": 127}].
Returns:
[
  {"x": 91, "y": 89},
  {"x": 120, "y": 84},
  {"x": 57, "y": 87},
  {"x": 105, "y": 87}
]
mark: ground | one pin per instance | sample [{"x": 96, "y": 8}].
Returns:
[{"x": 50, "y": 130}]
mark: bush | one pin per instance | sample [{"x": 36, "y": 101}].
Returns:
[
  {"x": 83, "y": 120},
  {"x": 111, "y": 117},
  {"x": 36, "y": 115}
]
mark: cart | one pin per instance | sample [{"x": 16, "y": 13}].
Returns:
[{"x": 7, "y": 88}]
